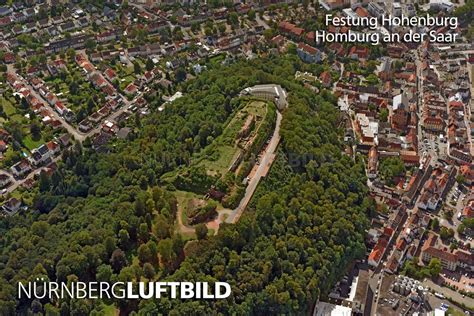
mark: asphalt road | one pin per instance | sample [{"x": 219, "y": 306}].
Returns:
[
  {"x": 232, "y": 216},
  {"x": 18, "y": 182},
  {"x": 262, "y": 169}
]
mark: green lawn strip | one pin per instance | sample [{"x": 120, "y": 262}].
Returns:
[
  {"x": 224, "y": 149},
  {"x": 8, "y": 107},
  {"x": 32, "y": 144}
]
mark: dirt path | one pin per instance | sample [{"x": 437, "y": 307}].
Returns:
[
  {"x": 214, "y": 225},
  {"x": 183, "y": 228}
]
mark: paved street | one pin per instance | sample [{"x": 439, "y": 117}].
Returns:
[
  {"x": 262, "y": 170},
  {"x": 18, "y": 182},
  {"x": 232, "y": 216},
  {"x": 457, "y": 297},
  {"x": 70, "y": 129},
  {"x": 12, "y": 181}
]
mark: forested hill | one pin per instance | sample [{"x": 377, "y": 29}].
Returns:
[
  {"x": 307, "y": 225},
  {"x": 106, "y": 217}
]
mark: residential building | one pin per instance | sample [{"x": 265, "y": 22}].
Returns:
[
  {"x": 12, "y": 206},
  {"x": 291, "y": 30},
  {"x": 21, "y": 168},
  {"x": 308, "y": 54},
  {"x": 4, "y": 180},
  {"x": 429, "y": 251},
  {"x": 441, "y": 5},
  {"x": 372, "y": 163},
  {"x": 334, "y": 4},
  {"x": 376, "y": 9}
]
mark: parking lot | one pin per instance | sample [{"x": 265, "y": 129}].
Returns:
[
  {"x": 447, "y": 292},
  {"x": 460, "y": 280},
  {"x": 456, "y": 201},
  {"x": 434, "y": 146}
]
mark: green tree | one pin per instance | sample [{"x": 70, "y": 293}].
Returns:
[
  {"x": 124, "y": 238},
  {"x": 90, "y": 44},
  {"x": 233, "y": 18},
  {"x": 435, "y": 224},
  {"x": 390, "y": 168},
  {"x": 448, "y": 214},
  {"x": 201, "y": 231},
  {"x": 44, "y": 182},
  {"x": 143, "y": 232},
  {"x": 180, "y": 74},
  {"x": 445, "y": 233},
  {"x": 148, "y": 271},
  {"x": 460, "y": 179},
  {"x": 165, "y": 249},
  {"x": 383, "y": 115},
  {"x": 149, "y": 64},
  {"x": 434, "y": 267},
  {"x": 35, "y": 131},
  {"x": 118, "y": 260},
  {"x": 137, "y": 68},
  {"x": 144, "y": 253},
  {"x": 461, "y": 228},
  {"x": 104, "y": 273},
  {"x": 251, "y": 15}
]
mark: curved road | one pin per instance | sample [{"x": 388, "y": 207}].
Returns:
[{"x": 262, "y": 170}]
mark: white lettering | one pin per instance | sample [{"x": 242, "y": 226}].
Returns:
[
  {"x": 218, "y": 287},
  {"x": 21, "y": 288},
  {"x": 187, "y": 290}
]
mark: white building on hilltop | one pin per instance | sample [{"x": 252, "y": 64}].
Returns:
[{"x": 271, "y": 92}]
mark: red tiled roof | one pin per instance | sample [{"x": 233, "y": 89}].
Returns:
[
  {"x": 110, "y": 73},
  {"x": 52, "y": 145},
  {"x": 441, "y": 254},
  {"x": 401, "y": 244},
  {"x": 376, "y": 254},
  {"x": 388, "y": 231},
  {"x": 430, "y": 241},
  {"x": 290, "y": 28},
  {"x": 465, "y": 257},
  {"x": 325, "y": 77},
  {"x": 309, "y": 49},
  {"x": 362, "y": 12},
  {"x": 360, "y": 51}
]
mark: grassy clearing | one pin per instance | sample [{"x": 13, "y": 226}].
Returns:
[
  {"x": 8, "y": 107},
  {"x": 218, "y": 157},
  {"x": 32, "y": 144}
]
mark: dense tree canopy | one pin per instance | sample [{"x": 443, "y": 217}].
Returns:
[{"x": 108, "y": 217}]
